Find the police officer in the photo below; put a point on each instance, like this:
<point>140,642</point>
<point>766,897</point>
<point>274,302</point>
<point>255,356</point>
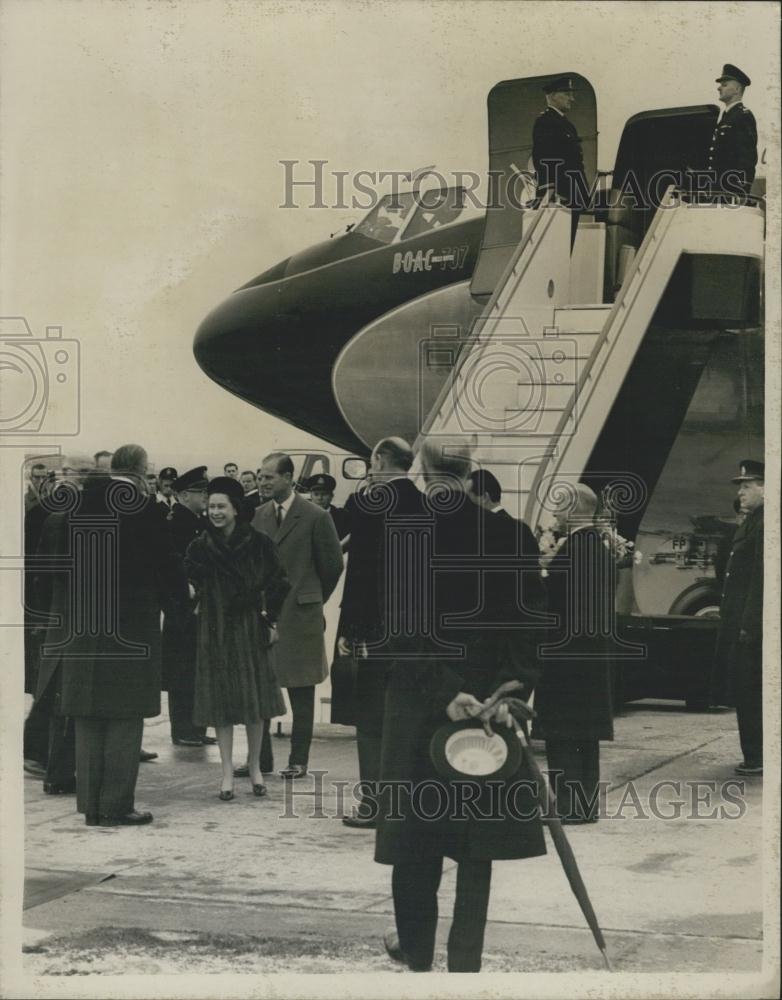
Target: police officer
<point>321,489</point>
<point>556,151</point>
<point>186,521</point>
<point>740,643</point>
<point>734,144</point>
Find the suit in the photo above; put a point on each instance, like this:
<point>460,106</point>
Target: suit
<point>310,553</point>
<point>740,641</point>
<point>106,653</point>
<point>559,162</point>
<point>459,653</point>
<point>734,148</point>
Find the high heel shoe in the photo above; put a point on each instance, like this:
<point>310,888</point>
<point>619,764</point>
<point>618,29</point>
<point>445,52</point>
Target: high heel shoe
<point>259,790</point>
<point>226,796</point>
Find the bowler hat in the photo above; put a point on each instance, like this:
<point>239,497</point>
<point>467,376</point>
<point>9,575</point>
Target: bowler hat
<point>731,72</point>
<point>750,470</point>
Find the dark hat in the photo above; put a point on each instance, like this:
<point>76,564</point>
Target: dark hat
<point>560,84</point>
<point>168,473</point>
<point>194,479</point>
<point>730,72</point>
<point>749,470</point>
<point>232,488</point>
<point>322,482</point>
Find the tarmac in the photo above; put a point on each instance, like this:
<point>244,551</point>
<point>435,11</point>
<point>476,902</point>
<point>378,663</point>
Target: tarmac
<point>281,885</point>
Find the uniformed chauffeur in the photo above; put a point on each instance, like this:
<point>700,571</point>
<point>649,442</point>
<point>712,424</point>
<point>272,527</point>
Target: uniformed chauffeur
<point>186,522</point>
<point>556,151</point>
<point>740,642</point>
<point>321,489</point>
<point>734,143</point>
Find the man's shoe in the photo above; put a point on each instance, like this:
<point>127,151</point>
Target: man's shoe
<point>359,822</point>
<point>242,771</point>
<point>293,771</point>
<point>147,755</point>
<point>53,788</point>
<point>188,741</point>
<point>208,741</point>
<point>394,951</point>
<point>129,819</point>
<point>749,770</point>
<point>34,768</point>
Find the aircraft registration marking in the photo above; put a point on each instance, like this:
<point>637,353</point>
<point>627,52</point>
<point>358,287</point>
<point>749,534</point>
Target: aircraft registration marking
<point>426,260</point>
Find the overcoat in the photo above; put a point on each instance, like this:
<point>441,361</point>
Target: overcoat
<point>179,632</point>
<point>116,572</point>
<point>741,608</point>
<point>312,558</point>
<point>459,655</point>
<point>573,699</point>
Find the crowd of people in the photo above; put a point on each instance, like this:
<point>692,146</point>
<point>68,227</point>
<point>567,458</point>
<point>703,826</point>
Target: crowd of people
<point>445,600</point>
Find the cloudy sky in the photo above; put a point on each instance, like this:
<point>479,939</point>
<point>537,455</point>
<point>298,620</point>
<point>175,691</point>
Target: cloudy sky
<point>141,146</point>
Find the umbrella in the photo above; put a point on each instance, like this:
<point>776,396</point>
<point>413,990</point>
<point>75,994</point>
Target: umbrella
<point>520,710</point>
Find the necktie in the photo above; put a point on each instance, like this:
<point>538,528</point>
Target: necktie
<point>279,514</point>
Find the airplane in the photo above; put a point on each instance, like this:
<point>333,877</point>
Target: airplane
<point>376,331</point>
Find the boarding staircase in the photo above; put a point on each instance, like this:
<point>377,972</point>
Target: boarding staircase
<point>536,381</point>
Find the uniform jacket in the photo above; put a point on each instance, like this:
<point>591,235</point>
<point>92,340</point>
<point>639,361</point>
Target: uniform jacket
<point>115,672</point>
<point>741,608</point>
<point>179,631</point>
<point>558,159</point>
<point>425,677</point>
<point>573,699</point>
<point>734,146</point>
<point>312,558</point>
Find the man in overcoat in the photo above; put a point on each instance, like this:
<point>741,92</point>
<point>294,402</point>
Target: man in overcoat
<point>740,641</point>
<point>105,634</point>
<point>311,555</point>
<point>362,633</point>
<point>443,673</point>
<point>574,699</point>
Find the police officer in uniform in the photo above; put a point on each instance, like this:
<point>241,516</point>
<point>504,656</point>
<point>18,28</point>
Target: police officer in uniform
<point>556,151</point>
<point>165,494</point>
<point>186,522</point>
<point>321,489</point>
<point>740,642</point>
<point>734,143</point>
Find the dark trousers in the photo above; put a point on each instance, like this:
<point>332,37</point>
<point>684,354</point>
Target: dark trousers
<point>180,713</point>
<point>107,759</point>
<point>36,734</point>
<point>370,697</point>
<point>61,764</point>
<point>574,774</point>
<point>748,695</point>
<point>303,708</point>
<point>415,886</point>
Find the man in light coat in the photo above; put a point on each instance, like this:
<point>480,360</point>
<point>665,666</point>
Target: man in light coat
<point>311,554</point>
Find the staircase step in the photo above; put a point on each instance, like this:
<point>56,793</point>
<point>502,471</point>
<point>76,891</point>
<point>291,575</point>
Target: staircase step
<point>581,319</point>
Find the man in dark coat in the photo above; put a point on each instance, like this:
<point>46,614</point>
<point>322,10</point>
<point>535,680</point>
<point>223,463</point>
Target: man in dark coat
<point>115,546</point>
<point>556,152</point>
<point>733,152</point>
<point>740,642</point>
<point>252,498</point>
<point>574,699</point>
<point>362,640</point>
<point>446,669</point>
<point>179,632</point>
